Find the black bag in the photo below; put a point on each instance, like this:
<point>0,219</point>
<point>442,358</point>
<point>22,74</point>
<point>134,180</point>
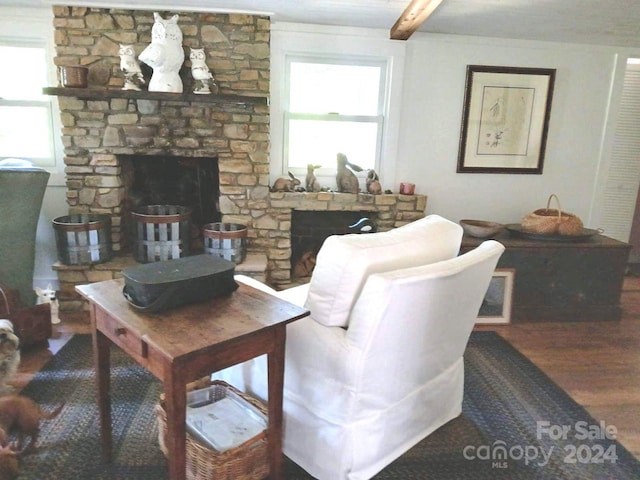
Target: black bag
<point>154,287</point>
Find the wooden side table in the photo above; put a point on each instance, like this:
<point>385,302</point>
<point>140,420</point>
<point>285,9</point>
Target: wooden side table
<point>183,344</point>
<point>563,281</point>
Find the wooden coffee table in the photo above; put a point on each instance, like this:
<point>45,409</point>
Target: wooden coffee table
<point>184,344</point>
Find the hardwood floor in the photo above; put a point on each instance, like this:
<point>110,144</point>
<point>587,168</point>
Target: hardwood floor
<point>596,363</point>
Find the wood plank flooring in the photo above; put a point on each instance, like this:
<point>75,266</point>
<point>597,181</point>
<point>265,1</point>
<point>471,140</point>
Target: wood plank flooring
<point>596,363</point>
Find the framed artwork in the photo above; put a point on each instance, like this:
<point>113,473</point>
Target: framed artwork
<point>496,306</point>
<point>505,119</point>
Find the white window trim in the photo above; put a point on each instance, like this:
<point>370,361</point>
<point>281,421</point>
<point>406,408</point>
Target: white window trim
<point>297,40</point>
<point>34,27</point>
<point>378,119</point>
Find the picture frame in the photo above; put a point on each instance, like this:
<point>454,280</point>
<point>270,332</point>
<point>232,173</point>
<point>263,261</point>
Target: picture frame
<point>497,303</point>
<point>505,119</point>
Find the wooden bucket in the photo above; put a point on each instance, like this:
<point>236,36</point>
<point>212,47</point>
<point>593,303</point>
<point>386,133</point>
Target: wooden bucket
<point>226,240</point>
<point>83,238</point>
<point>162,232</point>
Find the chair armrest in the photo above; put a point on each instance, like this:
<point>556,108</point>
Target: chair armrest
<point>252,282</point>
<point>296,295</point>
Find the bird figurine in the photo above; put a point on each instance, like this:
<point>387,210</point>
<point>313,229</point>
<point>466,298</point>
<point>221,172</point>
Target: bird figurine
<point>373,183</point>
<point>129,65</point>
<point>200,71</point>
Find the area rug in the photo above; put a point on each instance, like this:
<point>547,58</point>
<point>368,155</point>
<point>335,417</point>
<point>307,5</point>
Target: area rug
<point>516,424</point>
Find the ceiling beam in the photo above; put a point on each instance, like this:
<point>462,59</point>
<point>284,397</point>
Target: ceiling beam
<point>412,17</point>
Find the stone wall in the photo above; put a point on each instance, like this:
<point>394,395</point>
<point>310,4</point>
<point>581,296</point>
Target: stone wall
<point>97,130</point>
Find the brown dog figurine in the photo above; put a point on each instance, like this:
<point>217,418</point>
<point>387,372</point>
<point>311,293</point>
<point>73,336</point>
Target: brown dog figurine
<point>21,415</point>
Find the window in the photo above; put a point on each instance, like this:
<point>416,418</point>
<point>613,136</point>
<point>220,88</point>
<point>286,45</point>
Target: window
<point>333,106</point>
<point>26,127</point>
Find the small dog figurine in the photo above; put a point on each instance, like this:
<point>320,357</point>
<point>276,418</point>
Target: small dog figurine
<point>48,295</point>
<point>21,415</point>
<point>9,354</point>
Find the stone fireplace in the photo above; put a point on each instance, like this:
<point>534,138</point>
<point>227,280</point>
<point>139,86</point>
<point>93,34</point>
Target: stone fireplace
<point>107,130</point>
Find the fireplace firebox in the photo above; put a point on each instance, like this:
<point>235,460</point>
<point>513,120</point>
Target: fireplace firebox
<point>309,229</point>
<point>189,182</point>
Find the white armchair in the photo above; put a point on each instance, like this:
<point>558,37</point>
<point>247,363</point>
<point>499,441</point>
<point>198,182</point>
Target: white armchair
<point>378,365</point>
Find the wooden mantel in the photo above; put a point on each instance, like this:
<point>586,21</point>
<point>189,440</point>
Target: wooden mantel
<point>107,93</point>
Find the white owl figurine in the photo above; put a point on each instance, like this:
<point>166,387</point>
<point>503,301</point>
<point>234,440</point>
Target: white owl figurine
<point>133,77</point>
<point>200,71</point>
<point>165,55</point>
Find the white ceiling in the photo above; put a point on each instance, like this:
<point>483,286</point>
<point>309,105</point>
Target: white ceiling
<point>600,22</point>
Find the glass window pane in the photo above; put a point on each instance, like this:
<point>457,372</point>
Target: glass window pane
<point>325,88</point>
<point>318,142</point>
<point>24,132</point>
<point>25,73</point>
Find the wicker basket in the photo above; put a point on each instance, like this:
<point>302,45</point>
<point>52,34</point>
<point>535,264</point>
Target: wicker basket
<point>248,461</point>
<point>551,221</point>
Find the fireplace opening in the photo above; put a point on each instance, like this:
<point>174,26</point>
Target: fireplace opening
<point>191,182</point>
<point>309,229</point>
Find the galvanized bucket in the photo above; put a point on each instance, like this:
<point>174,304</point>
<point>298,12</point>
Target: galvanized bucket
<point>162,232</point>
<point>226,240</point>
<point>83,238</point>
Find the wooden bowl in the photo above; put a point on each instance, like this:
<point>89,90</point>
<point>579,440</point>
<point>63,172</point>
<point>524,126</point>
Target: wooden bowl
<point>481,228</point>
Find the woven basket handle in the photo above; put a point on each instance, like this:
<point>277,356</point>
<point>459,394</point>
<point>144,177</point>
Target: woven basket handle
<point>6,301</point>
<point>553,195</point>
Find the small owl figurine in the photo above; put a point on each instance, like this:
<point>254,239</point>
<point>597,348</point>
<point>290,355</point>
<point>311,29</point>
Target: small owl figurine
<point>133,77</point>
<point>199,71</point>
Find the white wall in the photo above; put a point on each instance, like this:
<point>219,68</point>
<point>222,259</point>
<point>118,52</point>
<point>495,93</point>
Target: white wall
<point>426,133</point>
<point>54,205</point>
<point>432,110</point>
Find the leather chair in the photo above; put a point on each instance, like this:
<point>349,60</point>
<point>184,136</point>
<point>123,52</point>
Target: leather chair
<point>378,365</point>
<point>22,189</point>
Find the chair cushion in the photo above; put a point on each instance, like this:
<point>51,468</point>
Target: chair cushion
<point>345,261</point>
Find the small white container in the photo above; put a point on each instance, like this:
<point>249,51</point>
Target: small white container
<point>222,423</point>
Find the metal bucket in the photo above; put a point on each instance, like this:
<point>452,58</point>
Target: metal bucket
<point>226,240</point>
<point>83,238</point>
<point>162,232</point>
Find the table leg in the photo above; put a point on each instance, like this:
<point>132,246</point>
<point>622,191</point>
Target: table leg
<point>176,403</point>
<point>275,362</point>
<point>101,356</point>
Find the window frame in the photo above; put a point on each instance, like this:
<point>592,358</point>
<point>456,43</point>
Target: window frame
<point>46,103</point>
<point>32,26</point>
<point>313,40</point>
<point>348,60</point>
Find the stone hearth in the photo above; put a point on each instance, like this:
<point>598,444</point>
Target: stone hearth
<point>101,124</point>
